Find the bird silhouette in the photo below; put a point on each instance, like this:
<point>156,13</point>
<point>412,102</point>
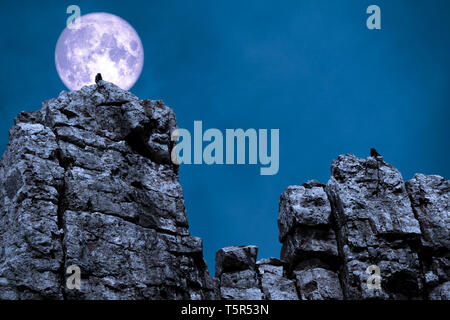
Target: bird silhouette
<point>374,153</point>
<point>98,77</point>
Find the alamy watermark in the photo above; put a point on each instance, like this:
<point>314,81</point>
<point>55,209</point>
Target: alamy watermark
<point>73,22</point>
<point>239,143</point>
<point>374,20</point>
<point>374,280</point>
<point>74,279</point>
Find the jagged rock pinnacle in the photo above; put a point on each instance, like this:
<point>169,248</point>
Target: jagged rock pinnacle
<point>86,180</point>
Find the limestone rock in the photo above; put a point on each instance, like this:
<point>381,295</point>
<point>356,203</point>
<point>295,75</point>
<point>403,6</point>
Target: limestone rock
<point>441,292</point>
<point>310,246</point>
<point>376,226</point>
<point>240,278</point>
<point>270,265</point>
<point>430,197</point>
<point>274,284</point>
<point>303,205</point>
<point>87,181</point>
<point>335,236</point>
<point>318,284</point>
<point>240,285</point>
<point>235,258</point>
<point>235,269</point>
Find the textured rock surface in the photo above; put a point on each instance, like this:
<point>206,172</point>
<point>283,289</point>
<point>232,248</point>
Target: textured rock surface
<point>365,218</point>
<point>430,197</point>
<point>87,181</point>
<point>235,269</point>
<point>318,284</point>
<point>241,277</point>
<point>274,283</point>
<point>235,259</point>
<point>309,241</point>
<point>376,226</point>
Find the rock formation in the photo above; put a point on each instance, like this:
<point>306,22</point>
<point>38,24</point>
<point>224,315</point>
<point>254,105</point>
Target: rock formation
<point>375,226</point>
<point>309,241</point>
<point>365,218</point>
<point>364,235</point>
<point>430,199</point>
<point>240,276</point>
<point>87,181</point>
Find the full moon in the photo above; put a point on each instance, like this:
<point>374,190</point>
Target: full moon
<point>103,43</point>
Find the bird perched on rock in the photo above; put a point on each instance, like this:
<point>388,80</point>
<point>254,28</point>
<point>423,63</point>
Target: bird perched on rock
<point>98,77</point>
<point>374,153</point>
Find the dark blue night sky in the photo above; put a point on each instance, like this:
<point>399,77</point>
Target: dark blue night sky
<point>310,68</point>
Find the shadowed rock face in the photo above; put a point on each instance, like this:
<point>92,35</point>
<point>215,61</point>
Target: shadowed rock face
<point>241,277</point>
<point>87,181</point>
<point>365,217</point>
<point>235,269</point>
<point>430,197</point>
<point>310,247</point>
<point>375,226</point>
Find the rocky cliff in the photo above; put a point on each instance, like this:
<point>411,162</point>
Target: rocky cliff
<point>366,222</point>
<point>366,234</point>
<point>87,181</point>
